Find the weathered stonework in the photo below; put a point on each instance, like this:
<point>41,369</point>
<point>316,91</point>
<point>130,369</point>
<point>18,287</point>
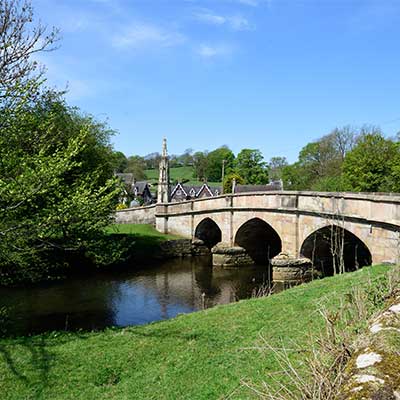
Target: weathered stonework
<point>226,256</point>
<point>182,248</point>
<point>137,215</point>
<point>373,218</point>
<point>374,370</point>
<point>291,270</point>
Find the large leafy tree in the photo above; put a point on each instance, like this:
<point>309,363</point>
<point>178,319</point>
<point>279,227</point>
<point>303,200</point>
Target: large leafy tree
<point>136,166</point>
<point>215,161</point>
<point>200,165</point>
<point>319,165</point>
<point>250,165</point>
<point>57,192</point>
<point>276,166</point>
<point>56,188</point>
<point>372,164</point>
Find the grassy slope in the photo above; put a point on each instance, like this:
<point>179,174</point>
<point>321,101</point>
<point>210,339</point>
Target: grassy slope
<point>178,174</point>
<point>202,355</point>
<point>145,237</point>
<point>139,230</point>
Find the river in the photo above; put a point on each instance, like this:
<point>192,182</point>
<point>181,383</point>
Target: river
<point>127,298</point>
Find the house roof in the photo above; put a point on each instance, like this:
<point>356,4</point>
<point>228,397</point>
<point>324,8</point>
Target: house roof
<point>141,186</point>
<point>258,188</point>
<point>197,189</point>
<point>179,186</point>
<point>127,178</point>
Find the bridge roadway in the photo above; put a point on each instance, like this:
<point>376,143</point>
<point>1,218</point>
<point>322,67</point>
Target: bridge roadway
<point>289,219</point>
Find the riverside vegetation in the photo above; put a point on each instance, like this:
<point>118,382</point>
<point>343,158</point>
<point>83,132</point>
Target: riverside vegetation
<point>216,353</point>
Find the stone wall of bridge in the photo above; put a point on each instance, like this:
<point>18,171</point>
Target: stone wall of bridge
<point>137,215</point>
<point>374,219</point>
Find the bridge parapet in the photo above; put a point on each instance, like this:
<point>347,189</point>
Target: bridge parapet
<point>374,218</point>
<point>377,207</point>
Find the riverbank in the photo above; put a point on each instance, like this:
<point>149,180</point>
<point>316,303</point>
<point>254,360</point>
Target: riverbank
<point>204,355</point>
<point>149,245</point>
<point>128,245</point>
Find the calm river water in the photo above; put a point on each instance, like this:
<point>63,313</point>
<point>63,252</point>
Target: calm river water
<point>128,298</point>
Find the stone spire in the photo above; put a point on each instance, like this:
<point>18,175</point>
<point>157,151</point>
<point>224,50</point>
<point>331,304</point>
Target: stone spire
<point>163,180</point>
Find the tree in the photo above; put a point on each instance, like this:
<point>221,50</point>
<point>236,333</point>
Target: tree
<point>152,160</point>
<point>186,159</point>
<point>57,192</point>
<point>228,181</point>
<point>294,178</point>
<point>136,166</point>
<point>250,166</point>
<point>21,38</point>
<point>120,162</point>
<point>367,167</point>
<point>200,165</point>
<point>214,163</point>
<point>276,165</point>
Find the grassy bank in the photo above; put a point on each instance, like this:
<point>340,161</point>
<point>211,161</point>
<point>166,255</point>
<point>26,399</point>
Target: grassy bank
<point>145,239</point>
<point>204,355</point>
<point>139,231</point>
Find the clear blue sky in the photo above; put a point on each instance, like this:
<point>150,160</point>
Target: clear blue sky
<point>266,74</point>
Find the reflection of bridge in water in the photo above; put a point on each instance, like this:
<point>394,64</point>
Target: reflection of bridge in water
<point>311,224</point>
<point>202,286</point>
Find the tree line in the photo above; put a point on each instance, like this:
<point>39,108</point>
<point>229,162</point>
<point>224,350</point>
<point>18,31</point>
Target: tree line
<point>359,159</point>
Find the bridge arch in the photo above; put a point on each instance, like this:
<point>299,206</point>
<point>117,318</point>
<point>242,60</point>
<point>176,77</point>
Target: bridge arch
<point>209,232</point>
<point>333,249</point>
<point>260,239</point>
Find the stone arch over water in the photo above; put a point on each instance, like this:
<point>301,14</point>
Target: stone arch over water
<point>260,240</point>
<point>335,249</point>
<point>209,232</point>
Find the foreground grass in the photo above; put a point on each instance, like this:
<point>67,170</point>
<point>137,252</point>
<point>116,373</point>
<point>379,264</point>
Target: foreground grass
<point>204,355</point>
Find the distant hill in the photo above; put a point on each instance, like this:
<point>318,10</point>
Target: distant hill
<point>180,174</point>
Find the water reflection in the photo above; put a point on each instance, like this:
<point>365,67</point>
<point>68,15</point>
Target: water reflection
<point>128,298</point>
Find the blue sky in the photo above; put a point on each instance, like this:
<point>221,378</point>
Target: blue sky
<point>266,74</point>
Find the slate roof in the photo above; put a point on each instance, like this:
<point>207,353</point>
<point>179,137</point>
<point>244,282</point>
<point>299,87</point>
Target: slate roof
<point>188,188</point>
<point>258,188</point>
<point>140,186</point>
<point>127,178</point>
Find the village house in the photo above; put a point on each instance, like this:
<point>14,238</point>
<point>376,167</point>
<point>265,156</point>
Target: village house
<point>135,192</point>
<point>189,192</point>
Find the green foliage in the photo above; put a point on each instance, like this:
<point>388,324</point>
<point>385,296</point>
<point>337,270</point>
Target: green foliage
<point>136,166</point>
<point>276,165</point>
<point>228,181</point>
<point>56,186</point>
<point>119,161</point>
<point>250,166</point>
<point>214,163</point>
<point>372,164</point>
<point>200,165</point>
<point>330,184</point>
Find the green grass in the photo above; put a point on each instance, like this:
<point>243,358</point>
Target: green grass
<point>139,230</point>
<point>203,355</point>
<point>146,239</point>
<point>178,174</point>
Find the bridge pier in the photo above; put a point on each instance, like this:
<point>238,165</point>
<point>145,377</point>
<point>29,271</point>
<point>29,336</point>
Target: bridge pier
<point>224,255</point>
<point>289,270</point>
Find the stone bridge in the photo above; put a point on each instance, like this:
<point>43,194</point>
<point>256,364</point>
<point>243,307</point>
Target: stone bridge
<point>310,224</point>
